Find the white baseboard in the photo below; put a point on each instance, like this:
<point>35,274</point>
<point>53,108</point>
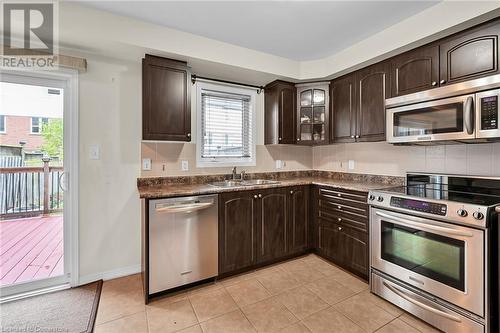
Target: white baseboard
<point>109,275</point>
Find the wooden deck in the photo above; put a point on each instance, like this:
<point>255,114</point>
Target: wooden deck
<point>31,249</point>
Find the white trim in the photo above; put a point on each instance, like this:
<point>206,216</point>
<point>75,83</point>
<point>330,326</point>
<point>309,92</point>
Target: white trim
<point>112,274</point>
<point>36,292</point>
<point>227,162</point>
<point>65,79</point>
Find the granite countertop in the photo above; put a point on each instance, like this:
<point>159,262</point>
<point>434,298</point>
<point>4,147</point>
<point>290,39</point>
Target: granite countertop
<point>159,190</point>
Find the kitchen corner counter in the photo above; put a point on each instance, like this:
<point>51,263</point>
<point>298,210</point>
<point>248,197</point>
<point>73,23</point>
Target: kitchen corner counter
<point>155,188</point>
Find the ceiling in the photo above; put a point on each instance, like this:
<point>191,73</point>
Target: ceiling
<point>297,30</point>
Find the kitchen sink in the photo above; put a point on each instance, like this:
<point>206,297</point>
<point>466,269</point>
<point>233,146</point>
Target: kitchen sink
<point>252,182</point>
<point>228,183</point>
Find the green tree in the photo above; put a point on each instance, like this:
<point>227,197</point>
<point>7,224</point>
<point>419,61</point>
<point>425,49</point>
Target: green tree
<point>53,135</point>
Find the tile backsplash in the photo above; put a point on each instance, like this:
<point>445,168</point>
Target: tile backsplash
<point>385,159</point>
<point>378,158</point>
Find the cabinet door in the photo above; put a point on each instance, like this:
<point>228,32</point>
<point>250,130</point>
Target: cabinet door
<point>330,239</point>
<point>373,87</point>
<point>286,114</point>
<point>415,70</point>
<point>355,248</point>
<point>313,104</point>
<point>470,54</point>
<point>298,218</point>
<point>236,231</point>
<point>166,110</point>
<point>271,227</point>
<point>343,92</point>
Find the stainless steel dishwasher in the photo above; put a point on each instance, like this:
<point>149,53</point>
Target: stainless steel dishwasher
<point>183,241</point>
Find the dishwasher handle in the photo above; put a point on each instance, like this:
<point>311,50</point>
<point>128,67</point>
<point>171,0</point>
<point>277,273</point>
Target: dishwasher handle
<point>182,208</point>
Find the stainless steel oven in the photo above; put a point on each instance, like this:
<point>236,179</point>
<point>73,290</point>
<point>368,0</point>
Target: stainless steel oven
<point>443,259</point>
<point>467,111</point>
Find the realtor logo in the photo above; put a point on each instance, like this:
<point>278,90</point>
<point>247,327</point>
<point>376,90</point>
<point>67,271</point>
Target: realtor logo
<point>29,34</point>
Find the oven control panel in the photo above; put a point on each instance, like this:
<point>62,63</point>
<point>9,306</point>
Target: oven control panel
<point>489,112</point>
<point>419,206</point>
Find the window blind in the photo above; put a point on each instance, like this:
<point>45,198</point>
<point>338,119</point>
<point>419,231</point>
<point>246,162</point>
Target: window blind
<point>226,122</point>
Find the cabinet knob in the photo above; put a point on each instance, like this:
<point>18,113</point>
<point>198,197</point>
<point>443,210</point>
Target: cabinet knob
<point>352,136</point>
<point>339,219</point>
<point>279,139</point>
<point>442,81</point>
<point>298,139</point>
<point>434,83</point>
<point>340,228</point>
<point>357,136</point>
<point>291,192</point>
<point>255,196</point>
<point>260,195</point>
<point>339,195</point>
<point>188,135</point>
<point>339,207</point>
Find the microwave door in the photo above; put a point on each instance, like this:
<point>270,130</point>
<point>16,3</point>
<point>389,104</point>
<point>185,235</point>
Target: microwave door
<point>487,114</point>
<point>441,120</point>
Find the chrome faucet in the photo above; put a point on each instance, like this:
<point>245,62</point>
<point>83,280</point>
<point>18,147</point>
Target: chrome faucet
<point>234,173</point>
<point>242,175</point>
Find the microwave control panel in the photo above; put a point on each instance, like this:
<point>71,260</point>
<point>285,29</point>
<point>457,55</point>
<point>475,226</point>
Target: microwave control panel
<point>489,112</point>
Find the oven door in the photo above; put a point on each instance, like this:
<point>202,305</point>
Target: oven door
<point>444,119</point>
<point>442,259</point>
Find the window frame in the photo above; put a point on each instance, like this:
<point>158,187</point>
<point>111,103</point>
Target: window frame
<point>4,131</point>
<point>40,124</point>
<point>225,162</point>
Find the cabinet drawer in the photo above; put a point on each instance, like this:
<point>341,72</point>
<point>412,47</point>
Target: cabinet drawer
<point>334,207</point>
<point>350,220</point>
<point>343,195</point>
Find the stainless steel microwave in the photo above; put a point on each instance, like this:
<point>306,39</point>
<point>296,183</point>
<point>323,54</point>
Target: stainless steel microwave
<point>463,112</point>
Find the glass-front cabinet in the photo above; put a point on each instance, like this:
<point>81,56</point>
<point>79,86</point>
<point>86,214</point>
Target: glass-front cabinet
<point>312,113</point>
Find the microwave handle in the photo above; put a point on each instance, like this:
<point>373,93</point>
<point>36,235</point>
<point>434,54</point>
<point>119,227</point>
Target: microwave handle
<point>469,115</point>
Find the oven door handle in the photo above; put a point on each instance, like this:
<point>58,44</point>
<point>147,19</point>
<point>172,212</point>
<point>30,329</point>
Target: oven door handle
<point>408,222</point>
<point>429,308</point>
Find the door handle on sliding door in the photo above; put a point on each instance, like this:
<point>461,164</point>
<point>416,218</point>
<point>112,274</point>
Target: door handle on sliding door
<point>469,115</point>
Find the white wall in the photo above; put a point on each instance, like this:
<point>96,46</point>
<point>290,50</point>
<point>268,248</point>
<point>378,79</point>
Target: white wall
<point>110,116</point>
<point>385,159</point>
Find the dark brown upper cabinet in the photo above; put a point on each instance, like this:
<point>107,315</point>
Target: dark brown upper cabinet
<point>343,95</point>
<point>470,54</point>
<point>279,112</point>
<point>416,70</point>
<point>166,106</point>
<point>372,88</point>
<point>313,104</point>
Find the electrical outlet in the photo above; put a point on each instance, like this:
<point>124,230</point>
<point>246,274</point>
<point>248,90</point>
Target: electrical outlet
<point>146,164</point>
<point>94,153</point>
<point>279,164</point>
<point>351,165</point>
<point>184,165</point>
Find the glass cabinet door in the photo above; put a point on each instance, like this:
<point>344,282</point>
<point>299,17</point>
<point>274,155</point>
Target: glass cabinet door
<point>313,115</point>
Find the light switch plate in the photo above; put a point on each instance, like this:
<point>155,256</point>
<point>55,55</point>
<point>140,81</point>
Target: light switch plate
<point>146,164</point>
<point>94,153</point>
<point>279,164</point>
<point>185,165</point>
<point>351,165</point>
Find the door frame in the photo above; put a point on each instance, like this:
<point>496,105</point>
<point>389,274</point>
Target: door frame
<point>67,79</point>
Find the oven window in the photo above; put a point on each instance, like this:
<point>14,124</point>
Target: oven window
<point>434,256</point>
<point>439,119</point>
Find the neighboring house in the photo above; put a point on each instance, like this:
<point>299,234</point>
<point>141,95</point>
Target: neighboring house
<point>22,130</point>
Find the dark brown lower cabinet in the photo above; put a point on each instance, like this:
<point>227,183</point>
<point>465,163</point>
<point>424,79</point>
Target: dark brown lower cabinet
<point>237,224</point>
<point>258,227</point>
<point>342,228</point>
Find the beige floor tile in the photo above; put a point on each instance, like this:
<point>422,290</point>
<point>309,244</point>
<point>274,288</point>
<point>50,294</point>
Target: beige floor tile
<point>331,321</point>
<point>171,298</point>
<point>364,313</point>
<point>329,290</point>
<point>192,329</point>
<point>232,280</point>
<point>213,304</point>
<point>269,315</point>
<point>301,271</point>
<point>350,281</point>
<point>296,328</point>
<point>165,316</point>
<point>248,292</point>
<point>278,281</point>
<point>120,297</point>
<point>231,322</point>
<point>389,307</point>
<point>322,265</point>
<point>418,324</point>
<point>302,302</point>
<point>397,326</point>
<point>268,270</point>
<point>135,323</point>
